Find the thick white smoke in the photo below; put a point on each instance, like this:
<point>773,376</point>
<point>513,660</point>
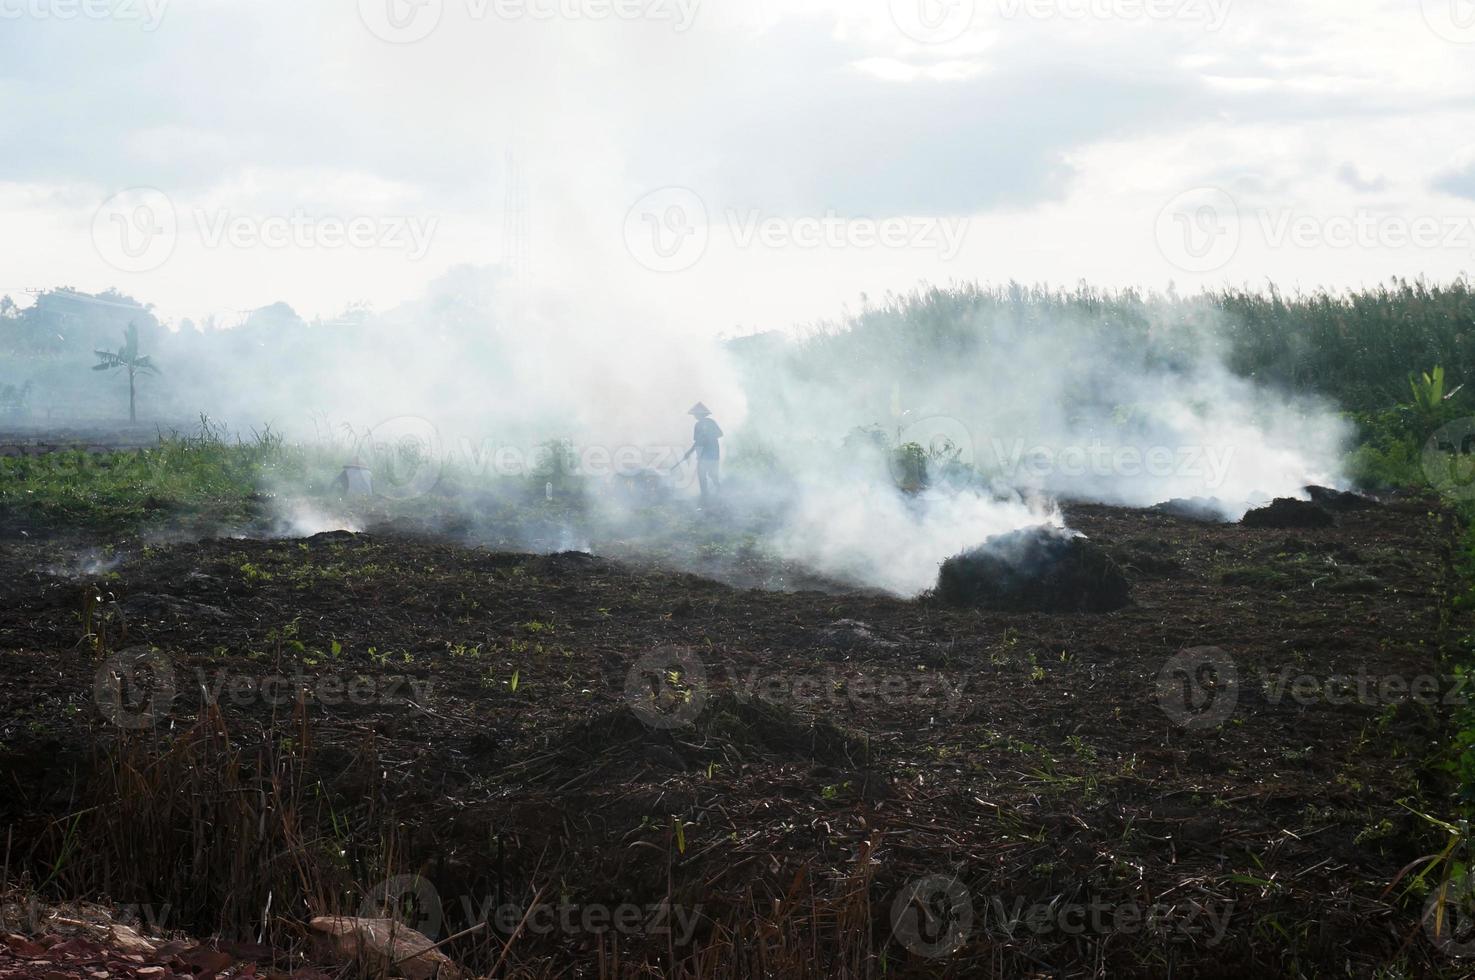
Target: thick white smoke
<point>1042,405</point>
<point>873,450</point>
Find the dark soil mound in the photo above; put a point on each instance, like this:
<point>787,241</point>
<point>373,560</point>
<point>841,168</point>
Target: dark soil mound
<point>1037,569</point>
<point>720,726</point>
<point>1147,557</point>
<point>1340,499</point>
<point>1209,510</point>
<point>1286,512</point>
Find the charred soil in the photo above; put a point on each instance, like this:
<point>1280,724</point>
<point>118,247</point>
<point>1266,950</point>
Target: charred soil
<point>511,725</point>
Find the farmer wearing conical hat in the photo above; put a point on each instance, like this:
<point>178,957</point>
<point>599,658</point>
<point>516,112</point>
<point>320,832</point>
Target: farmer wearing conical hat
<point>704,442</point>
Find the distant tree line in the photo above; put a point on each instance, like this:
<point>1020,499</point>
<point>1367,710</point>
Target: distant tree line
<point>1358,349</point>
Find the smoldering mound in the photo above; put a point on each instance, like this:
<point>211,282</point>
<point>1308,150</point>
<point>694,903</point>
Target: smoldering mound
<point>1205,510</point>
<point>1289,512</point>
<point>1035,569</point>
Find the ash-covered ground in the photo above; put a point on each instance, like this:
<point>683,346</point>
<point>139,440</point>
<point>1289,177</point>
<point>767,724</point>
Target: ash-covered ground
<point>1237,753</point>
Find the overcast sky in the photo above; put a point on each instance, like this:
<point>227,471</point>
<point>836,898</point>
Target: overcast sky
<point>728,164</point>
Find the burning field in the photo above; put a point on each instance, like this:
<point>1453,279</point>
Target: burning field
<point>566,764</point>
<point>643,489</point>
<point>1128,662</point>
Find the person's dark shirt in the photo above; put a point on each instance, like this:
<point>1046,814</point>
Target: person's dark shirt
<point>705,436</point>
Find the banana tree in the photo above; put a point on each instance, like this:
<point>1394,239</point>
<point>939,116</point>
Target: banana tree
<point>128,358</point>
<point>1428,389</point>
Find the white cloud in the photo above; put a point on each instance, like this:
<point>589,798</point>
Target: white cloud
<point>1061,137</point>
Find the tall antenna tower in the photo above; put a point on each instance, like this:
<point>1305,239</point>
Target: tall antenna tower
<point>516,248</point>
